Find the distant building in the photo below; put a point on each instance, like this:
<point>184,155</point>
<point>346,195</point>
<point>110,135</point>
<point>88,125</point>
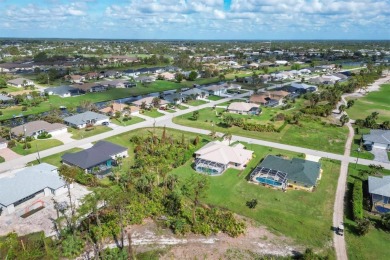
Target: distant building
<point>36,128</point>
<point>87,118</point>
<point>377,139</point>
<point>20,82</point>
<point>244,108</point>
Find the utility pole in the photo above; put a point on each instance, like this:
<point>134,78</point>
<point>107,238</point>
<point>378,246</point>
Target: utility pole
<point>357,159</point>
<point>25,139</point>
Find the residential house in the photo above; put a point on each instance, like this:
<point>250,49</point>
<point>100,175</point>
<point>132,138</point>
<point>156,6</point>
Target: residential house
<point>122,59</point>
<point>149,102</point>
<point>215,157</point>
<point>119,107</point>
<point>75,78</point>
<point>92,76</point>
<point>277,172</point>
<point>377,138</point>
<point>36,128</point>
<point>217,90</point>
<point>112,74</point>
<point>62,91</point>
<point>269,98</point>
<point>174,98</point>
<point>6,99</point>
<point>91,87</point>
<point>20,82</point>
<point>194,93</point>
<point>167,75</point>
<point>22,189</point>
<point>98,159</point>
<point>379,189</point>
<point>301,88</point>
<point>115,83</point>
<point>87,118</point>
<point>244,108</point>
<point>145,79</point>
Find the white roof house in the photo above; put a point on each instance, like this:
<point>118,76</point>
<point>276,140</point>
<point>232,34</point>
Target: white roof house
<point>243,107</point>
<point>215,157</point>
<point>26,184</point>
<point>149,102</point>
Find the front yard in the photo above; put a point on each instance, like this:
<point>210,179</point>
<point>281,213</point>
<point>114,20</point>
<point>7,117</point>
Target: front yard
<point>152,113</point>
<point>36,146</point>
<point>87,132</point>
<point>196,102</point>
<point>357,143</point>
<point>129,121</point>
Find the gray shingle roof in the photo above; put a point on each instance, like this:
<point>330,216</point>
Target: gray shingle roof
<point>378,136</point>
<point>35,126</point>
<point>299,170</point>
<point>5,98</point>
<point>100,153</point>
<point>28,181</point>
<point>81,119</point>
<point>379,186</point>
<point>61,90</point>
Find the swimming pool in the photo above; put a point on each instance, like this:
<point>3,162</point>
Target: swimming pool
<point>268,181</point>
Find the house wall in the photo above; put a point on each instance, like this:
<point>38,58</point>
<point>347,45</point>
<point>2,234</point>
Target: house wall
<point>123,154</point>
<point>380,146</point>
<point>61,190</point>
<point>298,186</point>
<point>59,131</point>
<point>3,145</point>
<point>100,122</point>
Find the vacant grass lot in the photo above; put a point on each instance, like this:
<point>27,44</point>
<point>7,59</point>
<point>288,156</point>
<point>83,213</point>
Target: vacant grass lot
<point>310,134</point>
<point>131,121</point>
<point>377,101</point>
<point>375,244</point>
<point>297,214</point>
<point>152,113</point>
<point>196,102</point>
<point>83,133</point>
<point>36,145</point>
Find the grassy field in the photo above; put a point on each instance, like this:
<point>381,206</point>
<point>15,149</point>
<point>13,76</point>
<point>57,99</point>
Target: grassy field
<point>152,113</point>
<point>196,102</point>
<point>356,144</point>
<point>310,134</point>
<point>214,98</point>
<point>181,107</point>
<point>82,133</point>
<point>36,145</point>
<point>375,244</point>
<point>132,120</point>
<point>296,214</point>
<point>377,101</point>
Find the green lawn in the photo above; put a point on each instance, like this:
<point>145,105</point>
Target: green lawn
<point>181,107</point>
<point>356,144</point>
<point>377,101</point>
<point>152,113</point>
<point>83,133</point>
<point>375,244</point>
<point>214,98</point>
<point>55,159</point>
<point>36,145</point>
<point>296,214</point>
<point>196,102</point>
<point>10,89</point>
<point>309,134</point>
<point>2,159</point>
<point>170,111</point>
<point>132,120</point>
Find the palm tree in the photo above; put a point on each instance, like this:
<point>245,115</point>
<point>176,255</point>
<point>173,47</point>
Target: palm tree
<point>228,136</point>
<point>344,119</point>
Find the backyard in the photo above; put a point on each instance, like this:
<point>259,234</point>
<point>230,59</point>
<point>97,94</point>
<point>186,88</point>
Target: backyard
<point>376,101</point>
<point>87,132</point>
<point>309,133</point>
<point>36,146</point>
<point>296,214</point>
<point>375,244</point>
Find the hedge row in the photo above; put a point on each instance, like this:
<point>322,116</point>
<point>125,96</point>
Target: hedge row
<point>357,200</point>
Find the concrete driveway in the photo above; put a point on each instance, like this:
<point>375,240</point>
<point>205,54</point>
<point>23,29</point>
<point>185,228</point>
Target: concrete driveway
<point>380,155</point>
<point>8,154</point>
<point>65,138</point>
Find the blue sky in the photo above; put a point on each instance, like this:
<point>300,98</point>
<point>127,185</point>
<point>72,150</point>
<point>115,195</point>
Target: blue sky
<point>196,19</point>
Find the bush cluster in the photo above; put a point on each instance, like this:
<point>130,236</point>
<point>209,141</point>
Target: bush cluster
<point>357,200</point>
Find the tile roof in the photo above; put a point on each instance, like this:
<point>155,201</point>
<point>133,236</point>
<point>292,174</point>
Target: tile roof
<point>297,169</point>
<point>221,153</point>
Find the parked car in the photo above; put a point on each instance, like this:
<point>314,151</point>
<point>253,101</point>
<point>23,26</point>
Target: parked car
<point>340,229</point>
<point>105,123</point>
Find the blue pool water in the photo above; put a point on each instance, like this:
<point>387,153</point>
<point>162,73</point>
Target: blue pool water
<point>268,181</point>
<point>382,209</point>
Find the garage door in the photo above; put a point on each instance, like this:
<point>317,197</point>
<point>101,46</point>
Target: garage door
<point>380,146</point>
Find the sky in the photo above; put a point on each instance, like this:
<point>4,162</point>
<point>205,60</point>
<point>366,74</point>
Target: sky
<point>196,19</point>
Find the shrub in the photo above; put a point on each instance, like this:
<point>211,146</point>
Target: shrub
<point>29,138</point>
<point>357,200</point>
<point>251,203</point>
<point>11,143</point>
<point>44,135</point>
<point>363,226</point>
<point>26,146</point>
<point>385,219</point>
<point>24,108</point>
